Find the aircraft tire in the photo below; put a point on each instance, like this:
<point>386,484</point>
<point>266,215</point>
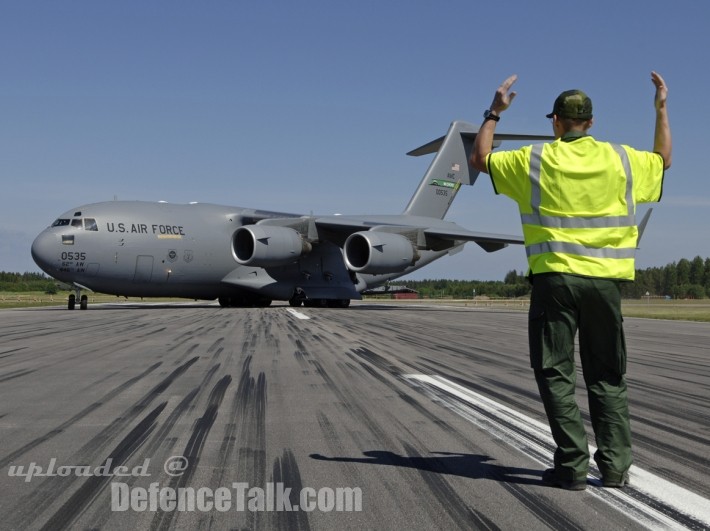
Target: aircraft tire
<point>338,303</point>
<point>72,302</point>
<point>84,302</point>
<point>315,303</point>
<point>224,302</point>
<point>263,303</point>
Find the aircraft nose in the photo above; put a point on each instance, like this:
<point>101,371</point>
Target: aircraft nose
<point>43,250</point>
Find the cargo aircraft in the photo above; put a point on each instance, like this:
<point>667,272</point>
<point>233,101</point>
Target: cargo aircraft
<point>247,257</point>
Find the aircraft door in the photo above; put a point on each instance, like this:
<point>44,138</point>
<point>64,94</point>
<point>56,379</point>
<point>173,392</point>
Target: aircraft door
<point>144,269</point>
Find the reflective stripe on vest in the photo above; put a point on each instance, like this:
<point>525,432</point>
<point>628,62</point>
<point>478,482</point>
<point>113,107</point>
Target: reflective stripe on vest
<point>560,222</point>
<point>581,250</point>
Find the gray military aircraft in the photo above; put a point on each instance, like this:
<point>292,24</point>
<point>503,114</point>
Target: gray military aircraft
<point>247,257</point>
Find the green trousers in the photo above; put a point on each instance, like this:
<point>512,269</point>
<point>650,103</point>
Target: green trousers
<point>562,305</point>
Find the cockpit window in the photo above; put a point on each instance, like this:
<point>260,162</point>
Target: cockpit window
<point>77,223</point>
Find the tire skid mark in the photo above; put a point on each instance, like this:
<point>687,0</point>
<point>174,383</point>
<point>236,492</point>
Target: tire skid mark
<point>8,353</point>
<point>108,376</point>
<point>161,437</point>
<point>152,332</point>
<point>335,447</point>
<point>226,451</point>
<point>202,427</point>
<point>642,508</point>
<point>458,510</point>
<point>217,353</point>
<point>84,412</point>
<point>679,455</point>
<point>670,396</point>
<point>189,351</point>
<point>93,486</point>
<point>351,403</point>
<point>377,361</point>
<point>45,494</point>
<point>662,426</point>
<point>216,344</point>
<point>540,508</point>
<point>194,447</point>
<point>251,398</point>
<point>16,374</point>
<point>543,510</point>
<point>461,514</point>
<point>285,471</point>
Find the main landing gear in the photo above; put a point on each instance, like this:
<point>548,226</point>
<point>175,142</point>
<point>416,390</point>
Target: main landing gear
<point>319,303</point>
<point>244,301</point>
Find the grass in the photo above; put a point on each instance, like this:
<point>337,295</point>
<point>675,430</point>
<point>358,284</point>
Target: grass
<point>684,310</point>
<point>35,299</point>
<point>681,310</point>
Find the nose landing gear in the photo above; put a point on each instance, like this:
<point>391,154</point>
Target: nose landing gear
<point>83,300</point>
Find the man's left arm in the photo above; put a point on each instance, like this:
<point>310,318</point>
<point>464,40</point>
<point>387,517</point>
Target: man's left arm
<point>662,142</point>
<point>483,144</point>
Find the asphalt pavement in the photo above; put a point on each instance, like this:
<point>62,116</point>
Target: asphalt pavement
<point>192,416</point>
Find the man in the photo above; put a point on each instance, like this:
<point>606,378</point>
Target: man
<point>577,199</point>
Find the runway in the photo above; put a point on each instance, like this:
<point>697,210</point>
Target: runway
<point>374,417</point>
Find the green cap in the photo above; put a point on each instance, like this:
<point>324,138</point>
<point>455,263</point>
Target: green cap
<point>572,104</point>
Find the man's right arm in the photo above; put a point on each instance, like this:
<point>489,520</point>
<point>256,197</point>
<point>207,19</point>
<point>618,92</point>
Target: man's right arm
<point>483,143</point>
<point>662,142</point>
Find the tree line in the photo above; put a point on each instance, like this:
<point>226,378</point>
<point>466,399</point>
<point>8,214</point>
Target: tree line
<point>685,279</point>
<point>22,282</point>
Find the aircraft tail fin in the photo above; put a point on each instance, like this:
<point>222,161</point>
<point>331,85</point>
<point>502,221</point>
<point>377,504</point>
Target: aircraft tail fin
<point>450,168</point>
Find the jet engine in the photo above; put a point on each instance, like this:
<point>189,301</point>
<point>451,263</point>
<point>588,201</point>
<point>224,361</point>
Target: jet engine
<point>379,252</point>
<point>267,246</point>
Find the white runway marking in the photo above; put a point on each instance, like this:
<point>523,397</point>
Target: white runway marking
<point>297,314</point>
<point>650,500</point>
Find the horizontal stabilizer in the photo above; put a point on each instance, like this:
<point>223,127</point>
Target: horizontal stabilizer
<point>435,145</point>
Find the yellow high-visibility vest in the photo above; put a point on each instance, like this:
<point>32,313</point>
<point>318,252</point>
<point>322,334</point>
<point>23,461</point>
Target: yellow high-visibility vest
<point>577,203</point>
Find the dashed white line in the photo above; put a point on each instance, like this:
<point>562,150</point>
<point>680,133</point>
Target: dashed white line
<point>651,500</point>
<point>297,314</point>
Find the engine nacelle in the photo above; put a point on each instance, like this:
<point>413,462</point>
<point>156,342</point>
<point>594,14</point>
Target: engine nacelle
<point>267,246</point>
<point>379,252</point>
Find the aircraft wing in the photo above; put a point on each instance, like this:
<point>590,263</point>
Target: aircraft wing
<point>488,241</point>
<point>427,232</point>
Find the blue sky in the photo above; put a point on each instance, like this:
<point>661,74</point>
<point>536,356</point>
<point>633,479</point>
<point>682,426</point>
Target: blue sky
<point>311,106</point>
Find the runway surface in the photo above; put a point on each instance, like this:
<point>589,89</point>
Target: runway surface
<point>422,417</point>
